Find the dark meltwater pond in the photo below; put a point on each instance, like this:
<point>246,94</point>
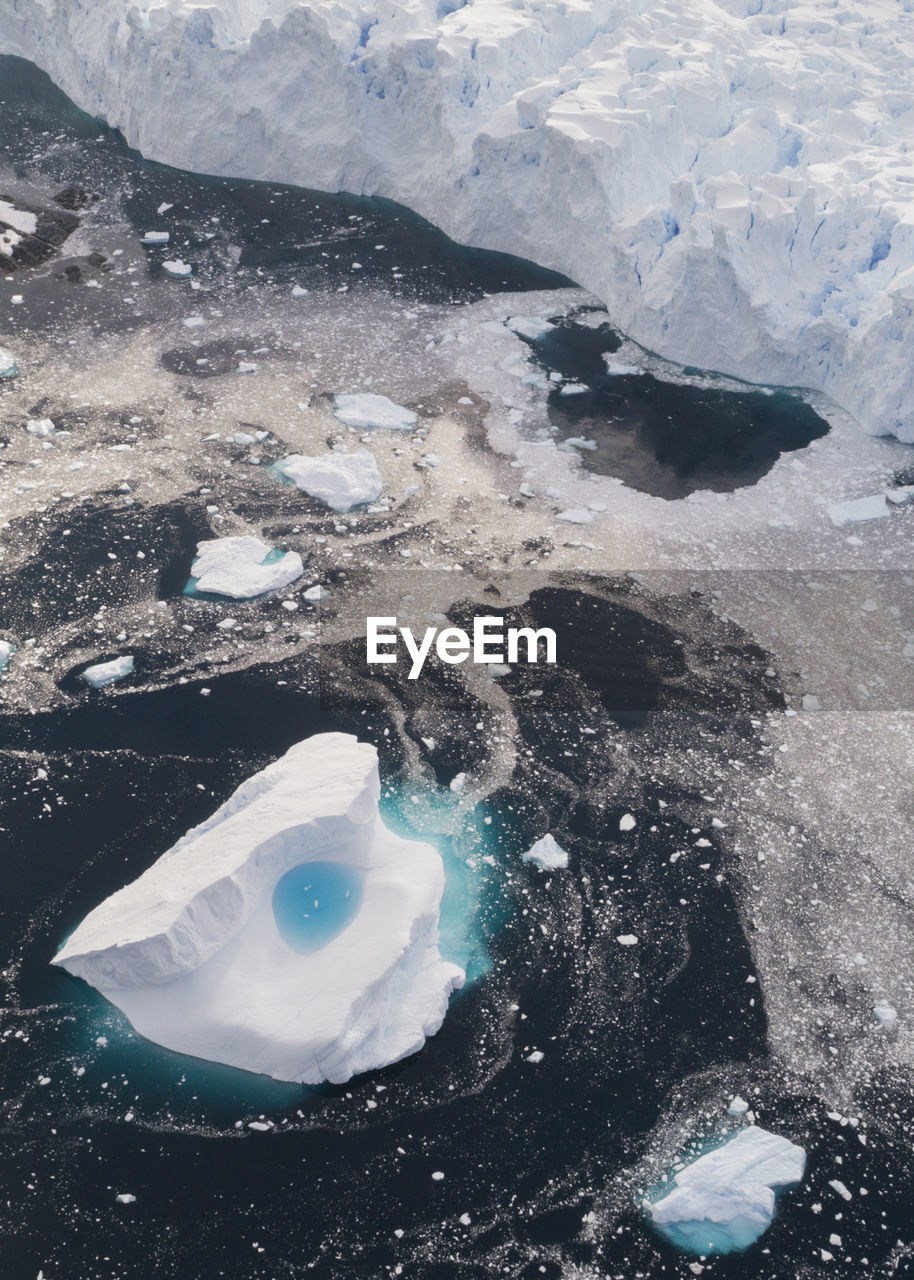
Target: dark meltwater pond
<point>667,438</point>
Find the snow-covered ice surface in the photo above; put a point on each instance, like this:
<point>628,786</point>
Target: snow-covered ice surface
<point>192,953</point>
<point>546,854</point>
<point>365,411</point>
<point>101,674</point>
<point>733,179</point>
<point>723,1201</point>
<point>341,480</point>
<point>242,567</point>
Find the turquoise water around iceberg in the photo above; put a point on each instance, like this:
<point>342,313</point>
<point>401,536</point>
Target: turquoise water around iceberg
<point>314,902</point>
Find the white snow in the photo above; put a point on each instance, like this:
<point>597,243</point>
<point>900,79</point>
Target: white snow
<point>857,510</point>
<point>733,178</point>
<point>103,673</point>
<point>192,954</point>
<point>725,1199</point>
<point>342,480</point>
<point>885,1013</point>
<point>365,411</point>
<point>236,567</point>
<point>547,855</point>
<point>177,269</point>
<point>19,219</point>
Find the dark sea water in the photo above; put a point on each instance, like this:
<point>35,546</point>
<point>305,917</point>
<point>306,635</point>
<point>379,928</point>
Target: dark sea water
<point>544,1162</point>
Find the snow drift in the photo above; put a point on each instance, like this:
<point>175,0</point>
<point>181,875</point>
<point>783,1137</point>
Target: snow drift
<point>733,178</point>
<point>198,957</point>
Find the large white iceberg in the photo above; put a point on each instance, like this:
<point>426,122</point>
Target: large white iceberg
<point>723,1201</point>
<point>291,934</point>
<point>104,673</point>
<point>734,178</point>
<point>342,480</point>
<point>242,567</point>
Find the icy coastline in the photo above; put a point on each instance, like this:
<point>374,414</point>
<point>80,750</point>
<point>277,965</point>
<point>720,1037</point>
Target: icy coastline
<point>733,179</point>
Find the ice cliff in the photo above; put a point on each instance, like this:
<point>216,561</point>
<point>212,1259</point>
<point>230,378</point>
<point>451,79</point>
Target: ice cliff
<point>733,178</point>
<point>200,952</point>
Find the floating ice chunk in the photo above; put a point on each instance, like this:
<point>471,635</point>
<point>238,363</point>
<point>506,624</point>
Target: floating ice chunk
<point>8,365</point>
<point>547,855</point>
<point>723,1201</point>
<point>164,207</point>
<point>298,291</point>
<point>576,389</point>
<point>525,327</point>
<point>575,515</point>
<point>627,822</point>
<point>458,782</point>
<point>840,1189</point>
<point>104,673</point>
<point>6,652</point>
<point>177,269</point>
<point>242,567</point>
<point>342,480</point>
<point>41,427</point>
<point>619,368</point>
<point>193,322</point>
<point>19,219</point>
<point>577,442</point>
<point>811,702</point>
<point>155,237</point>
<point>627,940</point>
<point>125,1198</point>
<point>738,1106</point>
<point>885,1013</point>
<point>246,366</point>
<point>857,510</point>
<point>536,1056</point>
<point>365,411</point>
<point>315,594</point>
<point>202,956</point>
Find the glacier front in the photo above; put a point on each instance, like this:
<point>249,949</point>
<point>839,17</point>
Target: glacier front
<point>733,178</point>
<point>291,934</point>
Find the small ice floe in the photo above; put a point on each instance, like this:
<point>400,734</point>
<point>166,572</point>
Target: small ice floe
<point>8,366</point>
<point>529,328</point>
<point>164,207</point>
<point>547,855</point>
<point>619,368</point>
<point>177,269</point>
<point>365,411</point>
<point>246,366</point>
<point>104,673</point>
<point>886,1014</point>
<point>243,567</point>
<point>738,1106</point>
<point>575,515</point>
<point>261,1126</point>
<point>723,1201</point>
<point>6,652</point>
<point>155,237</point>
<point>627,939</point>
<point>125,1198</point>
<point>298,291</point>
<point>341,480</point>
<point>575,389</point>
<point>193,322</point>
<point>857,510</point>
<point>457,783</point>
<point>315,594</point>
<point>41,427</point>
<point>627,822</point>
<point>810,702</point>
<point>900,495</point>
<point>536,1056</point>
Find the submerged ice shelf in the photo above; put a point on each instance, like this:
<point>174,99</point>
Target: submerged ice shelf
<point>733,179</point>
<point>291,934</point>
